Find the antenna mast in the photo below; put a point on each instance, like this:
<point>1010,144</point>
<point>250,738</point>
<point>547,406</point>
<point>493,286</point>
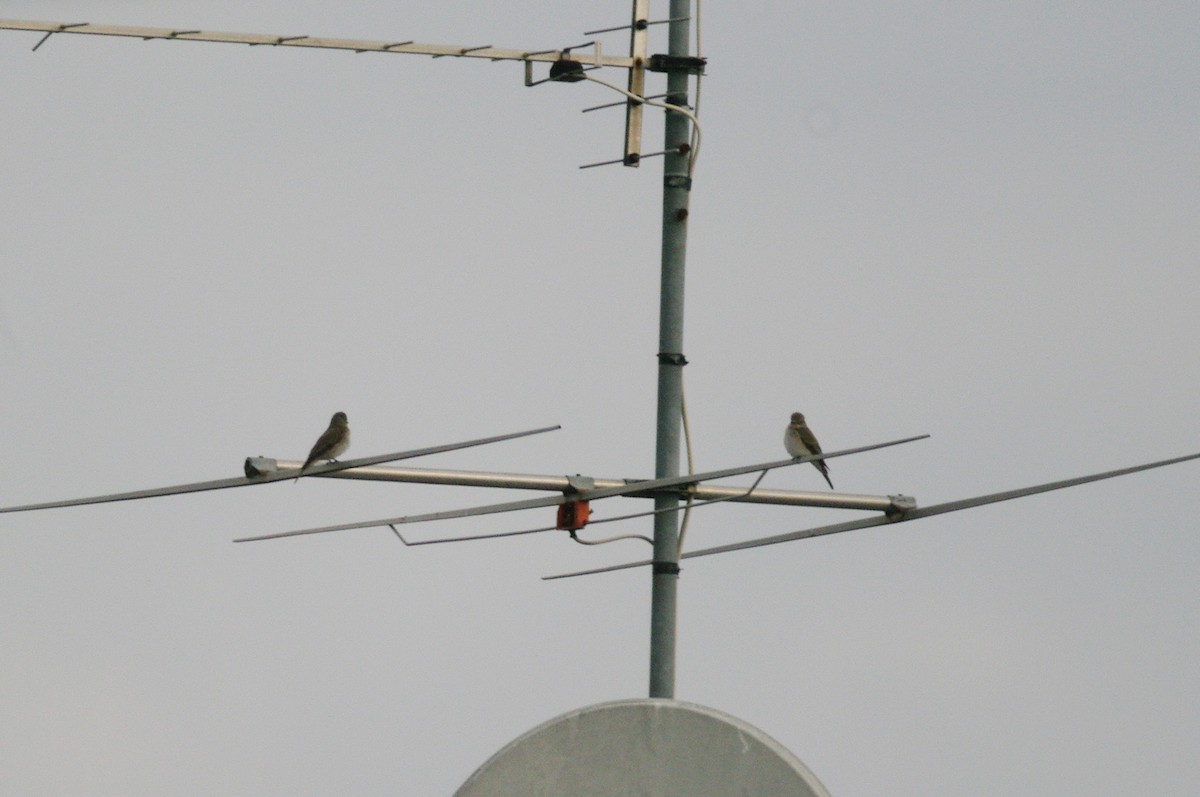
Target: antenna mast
<point>677,185</point>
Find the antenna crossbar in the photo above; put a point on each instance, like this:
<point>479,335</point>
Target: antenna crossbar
<point>660,486</point>
<point>552,483</point>
<point>311,42</point>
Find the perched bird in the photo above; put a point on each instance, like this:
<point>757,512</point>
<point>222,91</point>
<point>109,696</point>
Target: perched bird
<point>801,442</point>
<point>330,445</point>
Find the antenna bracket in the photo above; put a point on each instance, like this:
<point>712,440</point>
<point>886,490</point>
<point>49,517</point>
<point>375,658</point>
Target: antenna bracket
<point>692,64</point>
<point>566,70</point>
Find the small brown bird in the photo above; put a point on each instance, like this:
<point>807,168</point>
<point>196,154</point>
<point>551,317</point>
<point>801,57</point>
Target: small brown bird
<point>330,445</point>
<point>801,442</point>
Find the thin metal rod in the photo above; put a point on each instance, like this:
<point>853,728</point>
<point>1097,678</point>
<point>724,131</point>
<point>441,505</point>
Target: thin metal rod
<point>255,477</point>
<point>620,103</point>
<point>312,42</point>
<point>620,160</point>
<point>396,531</point>
<point>644,23</point>
<point>913,514</point>
<point>608,30</point>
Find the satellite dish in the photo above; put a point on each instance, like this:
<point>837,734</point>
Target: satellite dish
<point>647,747</point>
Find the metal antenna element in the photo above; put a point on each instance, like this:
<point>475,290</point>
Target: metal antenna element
<point>254,477</point>
<point>631,158</point>
<point>911,514</point>
<point>619,104</point>
<point>60,29</point>
<point>733,497</point>
<point>640,24</point>
<point>661,488</point>
<point>623,161</point>
<point>411,543</point>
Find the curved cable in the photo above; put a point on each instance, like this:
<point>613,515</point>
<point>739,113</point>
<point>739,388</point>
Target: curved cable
<point>696,103</point>
<point>694,147</point>
<point>612,539</point>
<point>687,431</point>
<point>687,439</point>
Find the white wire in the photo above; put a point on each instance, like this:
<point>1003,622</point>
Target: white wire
<point>687,439</point>
<point>607,540</point>
<point>696,103</point>
<point>694,148</point>
<point>687,430</point>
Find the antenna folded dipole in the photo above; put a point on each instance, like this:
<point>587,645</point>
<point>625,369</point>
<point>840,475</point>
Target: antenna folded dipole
<point>911,514</point>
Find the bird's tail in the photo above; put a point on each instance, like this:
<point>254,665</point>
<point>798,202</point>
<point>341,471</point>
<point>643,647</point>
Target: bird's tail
<point>821,466</point>
<point>304,467</point>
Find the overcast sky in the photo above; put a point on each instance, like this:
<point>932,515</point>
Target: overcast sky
<point>977,221</point>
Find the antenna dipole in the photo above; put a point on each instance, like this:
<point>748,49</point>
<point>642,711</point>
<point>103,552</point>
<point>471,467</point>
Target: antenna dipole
<point>638,35</point>
<point>677,185</point>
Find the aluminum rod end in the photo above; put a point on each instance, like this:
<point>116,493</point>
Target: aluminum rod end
<point>901,505</point>
<point>255,467</point>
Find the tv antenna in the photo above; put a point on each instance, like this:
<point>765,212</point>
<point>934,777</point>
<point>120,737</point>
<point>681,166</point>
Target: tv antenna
<point>567,64</point>
<point>668,488</point>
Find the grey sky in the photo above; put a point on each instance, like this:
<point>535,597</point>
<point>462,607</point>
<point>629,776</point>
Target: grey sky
<point>976,221</point>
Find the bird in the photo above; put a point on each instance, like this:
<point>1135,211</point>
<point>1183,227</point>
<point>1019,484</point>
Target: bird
<point>330,445</point>
<point>801,442</point>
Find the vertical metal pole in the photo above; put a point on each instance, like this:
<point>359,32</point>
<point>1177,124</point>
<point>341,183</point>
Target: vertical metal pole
<point>676,188</point>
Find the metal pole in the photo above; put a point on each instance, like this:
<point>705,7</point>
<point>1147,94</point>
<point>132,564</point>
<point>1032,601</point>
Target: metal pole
<point>676,188</point>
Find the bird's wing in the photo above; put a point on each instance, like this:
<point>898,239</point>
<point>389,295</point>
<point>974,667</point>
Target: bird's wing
<point>810,440</point>
<point>324,443</point>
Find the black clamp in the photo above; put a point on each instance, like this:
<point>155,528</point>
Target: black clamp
<point>666,568</point>
<point>691,64</point>
<point>671,358</point>
<point>566,70</point>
